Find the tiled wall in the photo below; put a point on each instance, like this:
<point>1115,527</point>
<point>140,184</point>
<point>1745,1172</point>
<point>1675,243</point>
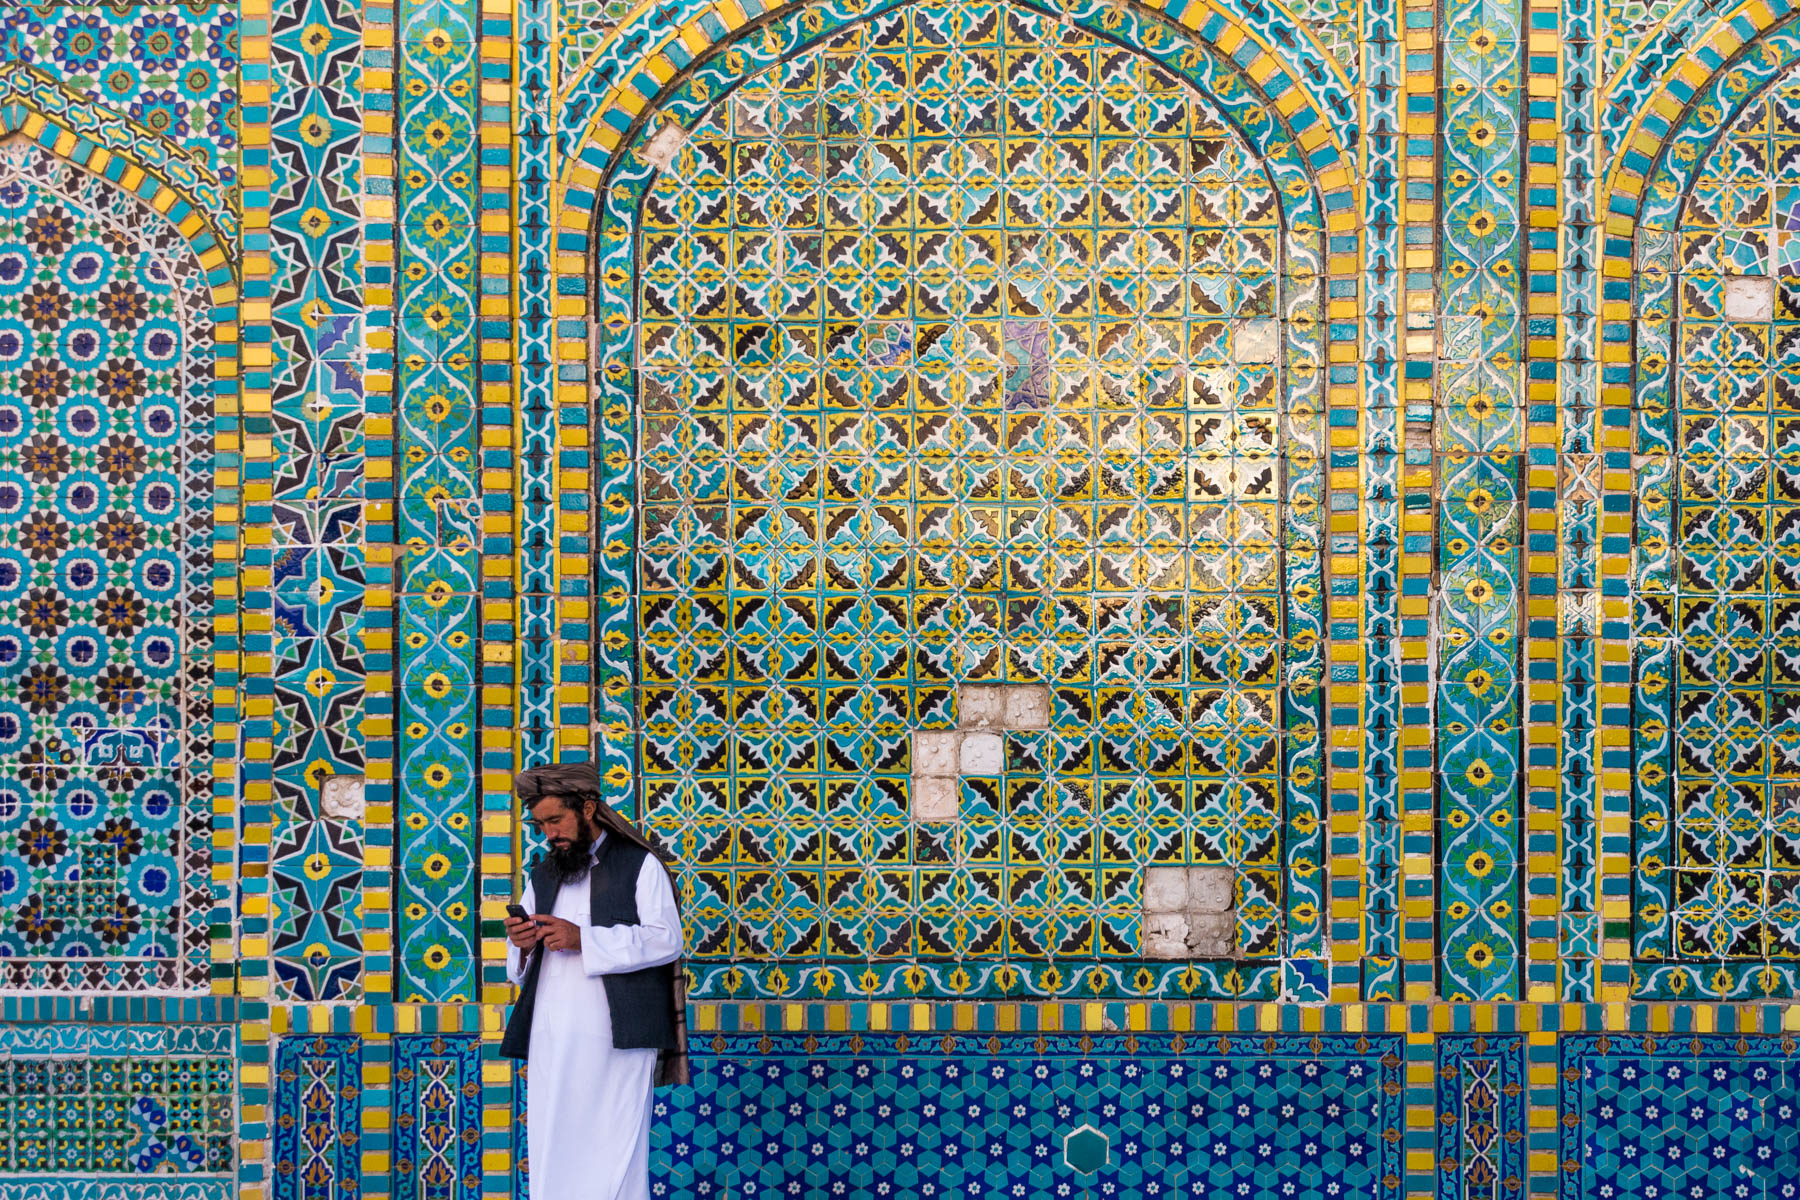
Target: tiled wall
<point>1223,574</point>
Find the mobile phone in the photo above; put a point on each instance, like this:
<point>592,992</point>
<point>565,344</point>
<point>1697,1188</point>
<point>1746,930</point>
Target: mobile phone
<point>517,912</point>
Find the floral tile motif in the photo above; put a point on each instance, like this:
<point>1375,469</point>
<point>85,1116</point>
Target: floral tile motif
<point>317,1095</point>
<point>1481,1116</point>
<point>438,1098</point>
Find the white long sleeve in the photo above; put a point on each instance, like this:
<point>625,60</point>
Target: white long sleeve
<point>654,940</point>
<point>515,957</point>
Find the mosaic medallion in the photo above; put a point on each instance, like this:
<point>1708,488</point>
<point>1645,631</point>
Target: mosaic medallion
<point>105,586</point>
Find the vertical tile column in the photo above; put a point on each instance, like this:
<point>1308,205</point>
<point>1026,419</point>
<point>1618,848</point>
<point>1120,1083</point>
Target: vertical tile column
<point>312,551</point>
<point>378,482</point>
<point>256,705</point>
<point>1481,409</point>
<point>535,430</point>
<point>437,518</point>
<point>534,436</point>
<point>1578,502</point>
<point>499,527</point>
<point>1538,579</point>
<point>254,1067</point>
<point>1418,566</point>
<point>1382,193</point>
<point>1345,696</point>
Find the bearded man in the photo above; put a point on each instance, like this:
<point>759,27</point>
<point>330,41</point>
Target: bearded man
<point>601,1016</point>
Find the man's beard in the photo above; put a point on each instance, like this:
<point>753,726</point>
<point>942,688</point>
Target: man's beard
<point>578,855</point>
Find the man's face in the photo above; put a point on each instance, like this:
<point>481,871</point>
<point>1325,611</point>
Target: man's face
<point>568,831</point>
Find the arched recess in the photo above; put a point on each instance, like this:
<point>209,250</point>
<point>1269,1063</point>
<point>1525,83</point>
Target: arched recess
<point>1714,401</point>
<point>117,307</point>
<point>863,878</point>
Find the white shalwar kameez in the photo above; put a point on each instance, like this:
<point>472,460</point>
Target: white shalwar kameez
<point>587,1103</point>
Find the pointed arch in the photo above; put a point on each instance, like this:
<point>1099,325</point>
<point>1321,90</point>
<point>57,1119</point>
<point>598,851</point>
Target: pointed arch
<point>1691,112</point>
<point>1308,158</point>
<point>110,158</point>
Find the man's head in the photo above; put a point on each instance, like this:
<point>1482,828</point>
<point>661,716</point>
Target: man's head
<point>560,802</point>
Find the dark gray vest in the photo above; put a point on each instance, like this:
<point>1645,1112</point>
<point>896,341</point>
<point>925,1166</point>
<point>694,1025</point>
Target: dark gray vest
<point>642,1002</point>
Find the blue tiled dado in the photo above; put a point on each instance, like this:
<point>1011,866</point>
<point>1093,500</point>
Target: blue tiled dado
<point>869,1116</point>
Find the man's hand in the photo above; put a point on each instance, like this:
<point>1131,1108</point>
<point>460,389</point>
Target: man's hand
<point>522,932</point>
<point>558,934</point>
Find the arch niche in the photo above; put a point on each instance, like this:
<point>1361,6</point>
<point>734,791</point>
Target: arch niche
<point>1716,400</point>
<point>951,346</point>
<point>111,288</point>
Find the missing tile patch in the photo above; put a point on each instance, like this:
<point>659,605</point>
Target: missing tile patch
<point>660,150</point>
<point>976,748</point>
<point>1749,298</point>
<point>1189,912</point>
<point>341,797</point>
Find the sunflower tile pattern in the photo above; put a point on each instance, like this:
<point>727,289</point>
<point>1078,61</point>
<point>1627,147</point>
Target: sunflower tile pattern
<point>436,369</point>
<point>1481,424</point>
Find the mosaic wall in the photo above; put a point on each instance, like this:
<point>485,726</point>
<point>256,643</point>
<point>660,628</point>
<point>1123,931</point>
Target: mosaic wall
<point>1205,597</point>
<point>106,359</point>
<point>1006,395</point>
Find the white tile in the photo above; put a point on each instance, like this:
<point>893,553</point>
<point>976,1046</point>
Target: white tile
<point>1165,889</point>
<point>935,798</point>
<point>1211,935</point>
<point>1256,341</point>
<point>981,707</point>
<point>982,754</point>
<point>1028,707</point>
<point>1749,298</point>
<point>341,797</point>
<point>1211,889</point>
<point>937,753</point>
<point>660,150</point>
<point>1165,935</point>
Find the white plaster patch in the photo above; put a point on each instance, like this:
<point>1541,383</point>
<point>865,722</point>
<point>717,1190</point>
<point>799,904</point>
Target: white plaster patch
<point>935,754</point>
<point>982,754</point>
<point>936,799</point>
<point>1165,889</point>
<point>1210,889</point>
<point>1749,298</point>
<point>1165,935</point>
<point>1211,935</point>
<point>341,797</point>
<point>981,707</point>
<point>660,150</point>
<point>1028,708</point>
<point>1188,912</point>
<point>1256,341</point>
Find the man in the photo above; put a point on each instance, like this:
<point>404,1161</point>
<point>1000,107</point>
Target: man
<point>601,1005</point>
